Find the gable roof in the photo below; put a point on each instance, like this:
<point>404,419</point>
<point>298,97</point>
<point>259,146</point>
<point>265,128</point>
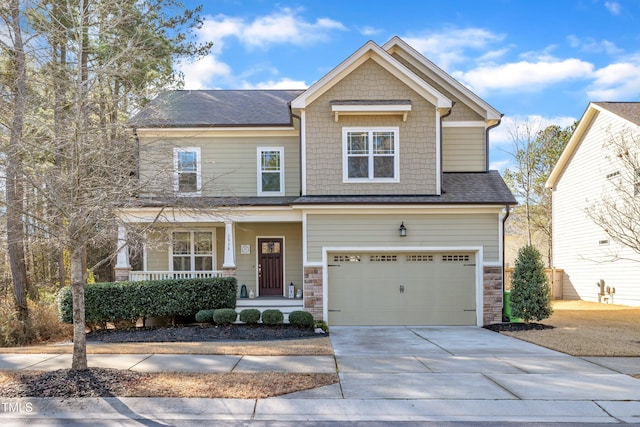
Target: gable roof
<point>217,108</point>
<point>402,48</point>
<point>370,50</point>
<point>628,111</point>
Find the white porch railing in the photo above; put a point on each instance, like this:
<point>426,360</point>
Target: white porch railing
<point>135,276</point>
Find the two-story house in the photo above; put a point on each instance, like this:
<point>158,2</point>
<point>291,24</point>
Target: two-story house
<point>370,192</point>
<point>593,177</point>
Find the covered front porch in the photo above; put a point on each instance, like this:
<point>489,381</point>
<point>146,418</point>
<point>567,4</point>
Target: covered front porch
<point>261,249</point>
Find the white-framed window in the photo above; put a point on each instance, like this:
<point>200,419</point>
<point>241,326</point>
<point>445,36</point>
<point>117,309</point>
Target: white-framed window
<point>270,171</point>
<point>192,251</point>
<point>186,171</point>
<point>370,154</point>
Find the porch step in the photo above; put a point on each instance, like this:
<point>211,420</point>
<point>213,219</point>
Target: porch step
<point>285,305</point>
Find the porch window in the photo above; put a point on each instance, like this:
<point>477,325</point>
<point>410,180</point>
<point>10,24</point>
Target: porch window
<point>370,154</point>
<point>192,251</point>
<point>271,171</point>
<point>186,166</point>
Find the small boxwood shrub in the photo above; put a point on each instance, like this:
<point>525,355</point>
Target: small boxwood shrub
<point>204,316</point>
<point>250,316</point>
<point>112,302</point>
<point>301,318</point>
<point>224,316</point>
<point>272,317</point>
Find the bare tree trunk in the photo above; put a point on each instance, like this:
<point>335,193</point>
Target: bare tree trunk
<point>15,191</point>
<point>79,361</point>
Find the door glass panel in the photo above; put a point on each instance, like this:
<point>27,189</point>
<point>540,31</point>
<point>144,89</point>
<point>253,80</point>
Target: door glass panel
<point>270,247</point>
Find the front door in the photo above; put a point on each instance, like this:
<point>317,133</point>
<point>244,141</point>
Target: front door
<point>270,274</point>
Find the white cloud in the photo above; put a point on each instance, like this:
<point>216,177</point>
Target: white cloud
<point>502,136</point>
<point>616,82</point>
<point>369,31</point>
<point>284,83</point>
<point>591,45</point>
<point>450,46</point>
<point>523,76</point>
<point>200,74</point>
<point>285,26</point>
<point>613,7</point>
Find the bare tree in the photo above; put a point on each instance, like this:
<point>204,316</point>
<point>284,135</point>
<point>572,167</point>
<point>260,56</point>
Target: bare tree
<point>94,62</point>
<point>536,152</point>
<point>14,49</point>
<point>618,210</point>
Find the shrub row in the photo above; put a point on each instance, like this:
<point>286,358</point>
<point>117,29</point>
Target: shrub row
<point>227,316</point>
<point>129,301</point>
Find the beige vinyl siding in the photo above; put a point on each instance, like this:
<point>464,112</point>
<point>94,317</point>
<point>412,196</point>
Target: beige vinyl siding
<point>463,149</point>
<point>416,138</point>
<point>247,234</point>
<point>576,238</point>
<point>377,230</point>
<point>229,164</point>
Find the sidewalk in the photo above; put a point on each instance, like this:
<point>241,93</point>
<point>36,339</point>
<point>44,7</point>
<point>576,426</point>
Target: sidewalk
<point>386,374</point>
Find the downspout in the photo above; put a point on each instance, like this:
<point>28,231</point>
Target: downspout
<point>504,220</point>
<point>442,146</point>
<point>486,141</point>
<point>299,148</point>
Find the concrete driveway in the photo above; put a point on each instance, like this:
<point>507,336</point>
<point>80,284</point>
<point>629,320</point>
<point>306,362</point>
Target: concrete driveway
<point>468,373</point>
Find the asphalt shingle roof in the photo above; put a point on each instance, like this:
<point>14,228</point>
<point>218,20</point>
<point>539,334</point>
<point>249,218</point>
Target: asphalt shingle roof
<point>458,188</point>
<point>217,108</point>
<point>627,110</point>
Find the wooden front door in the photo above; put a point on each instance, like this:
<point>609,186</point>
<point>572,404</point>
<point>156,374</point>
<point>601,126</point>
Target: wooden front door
<point>270,274</point>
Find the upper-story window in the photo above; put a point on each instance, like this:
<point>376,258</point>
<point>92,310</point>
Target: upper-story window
<point>271,171</point>
<point>186,170</point>
<point>370,154</point>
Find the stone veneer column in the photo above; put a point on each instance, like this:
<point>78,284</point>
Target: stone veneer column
<point>312,291</point>
<point>121,274</point>
<point>492,287</point>
<point>229,271</point>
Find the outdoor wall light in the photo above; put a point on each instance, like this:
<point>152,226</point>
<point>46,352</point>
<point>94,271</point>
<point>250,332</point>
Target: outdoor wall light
<point>403,230</point>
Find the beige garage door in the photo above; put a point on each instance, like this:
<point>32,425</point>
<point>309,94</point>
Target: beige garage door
<point>402,289</point>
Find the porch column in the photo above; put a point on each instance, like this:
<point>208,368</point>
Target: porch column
<point>229,264</point>
<point>122,267</point>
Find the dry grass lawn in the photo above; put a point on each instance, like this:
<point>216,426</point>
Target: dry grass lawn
<point>584,328</point>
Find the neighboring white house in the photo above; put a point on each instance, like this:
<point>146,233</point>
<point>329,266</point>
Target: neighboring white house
<point>586,173</point>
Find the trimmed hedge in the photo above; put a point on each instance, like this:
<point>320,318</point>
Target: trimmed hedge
<point>250,316</point>
<point>205,316</point>
<point>111,302</point>
<point>272,317</point>
<point>224,316</point>
<point>301,318</point>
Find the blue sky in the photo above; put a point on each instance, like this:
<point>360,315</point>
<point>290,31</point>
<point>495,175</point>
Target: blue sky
<point>536,61</point>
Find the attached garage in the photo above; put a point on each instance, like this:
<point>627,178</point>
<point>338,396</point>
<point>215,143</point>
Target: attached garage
<point>402,288</point>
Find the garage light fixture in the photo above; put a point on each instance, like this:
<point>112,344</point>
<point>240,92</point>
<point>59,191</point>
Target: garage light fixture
<point>403,230</point>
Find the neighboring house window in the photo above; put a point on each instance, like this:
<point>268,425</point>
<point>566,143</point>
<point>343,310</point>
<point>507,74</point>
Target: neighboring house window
<point>271,171</point>
<point>186,167</point>
<point>192,251</point>
<point>370,154</point>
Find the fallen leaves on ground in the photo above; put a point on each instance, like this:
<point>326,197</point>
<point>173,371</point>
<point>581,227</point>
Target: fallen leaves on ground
<point>100,382</point>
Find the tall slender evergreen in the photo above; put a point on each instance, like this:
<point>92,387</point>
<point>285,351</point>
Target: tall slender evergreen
<point>530,291</point>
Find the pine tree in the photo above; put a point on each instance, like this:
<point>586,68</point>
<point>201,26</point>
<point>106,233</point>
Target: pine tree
<point>530,292</point>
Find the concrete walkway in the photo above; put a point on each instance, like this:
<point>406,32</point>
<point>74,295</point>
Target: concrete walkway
<point>431,374</point>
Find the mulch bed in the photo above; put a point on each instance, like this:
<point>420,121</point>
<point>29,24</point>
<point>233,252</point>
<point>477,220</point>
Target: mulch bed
<point>202,333</point>
<point>515,327</point>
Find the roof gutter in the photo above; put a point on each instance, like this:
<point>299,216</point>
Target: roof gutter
<point>453,103</point>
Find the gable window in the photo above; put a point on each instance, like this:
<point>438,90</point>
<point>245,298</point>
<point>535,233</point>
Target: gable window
<point>271,171</point>
<point>186,170</point>
<point>370,154</point>
<point>192,251</point>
